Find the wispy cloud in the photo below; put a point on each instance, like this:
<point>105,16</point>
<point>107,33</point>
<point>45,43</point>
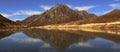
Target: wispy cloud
<point>115,5</point>
<point>84,8</point>
<point>22,12</point>
<point>45,7</point>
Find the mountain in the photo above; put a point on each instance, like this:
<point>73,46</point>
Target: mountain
<point>29,20</point>
<point>109,17</point>
<point>4,22</point>
<point>56,15</point>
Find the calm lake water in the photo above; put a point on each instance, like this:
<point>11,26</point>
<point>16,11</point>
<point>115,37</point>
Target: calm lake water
<point>41,40</point>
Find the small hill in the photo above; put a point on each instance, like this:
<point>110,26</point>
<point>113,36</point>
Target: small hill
<point>29,20</point>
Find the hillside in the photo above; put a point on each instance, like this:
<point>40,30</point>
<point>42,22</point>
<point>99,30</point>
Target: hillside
<point>4,22</point>
<point>56,15</point>
<point>109,17</point>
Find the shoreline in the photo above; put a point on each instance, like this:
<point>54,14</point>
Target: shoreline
<point>111,27</point>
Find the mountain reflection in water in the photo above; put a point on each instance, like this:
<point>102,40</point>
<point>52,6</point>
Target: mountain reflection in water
<point>41,40</point>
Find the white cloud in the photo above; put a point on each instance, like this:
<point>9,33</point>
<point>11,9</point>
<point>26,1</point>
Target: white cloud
<point>84,8</point>
<point>45,7</point>
<point>115,5</point>
<point>22,12</point>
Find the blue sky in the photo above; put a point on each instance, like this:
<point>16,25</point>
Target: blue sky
<point>21,9</point>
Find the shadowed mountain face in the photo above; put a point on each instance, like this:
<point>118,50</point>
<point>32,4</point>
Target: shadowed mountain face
<point>4,22</point>
<point>56,15</point>
<point>109,17</point>
<point>63,39</point>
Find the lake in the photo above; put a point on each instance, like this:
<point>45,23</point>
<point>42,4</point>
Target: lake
<point>41,40</point>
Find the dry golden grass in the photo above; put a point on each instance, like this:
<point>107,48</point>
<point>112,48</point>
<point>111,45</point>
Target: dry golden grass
<point>93,27</point>
<point>110,25</point>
